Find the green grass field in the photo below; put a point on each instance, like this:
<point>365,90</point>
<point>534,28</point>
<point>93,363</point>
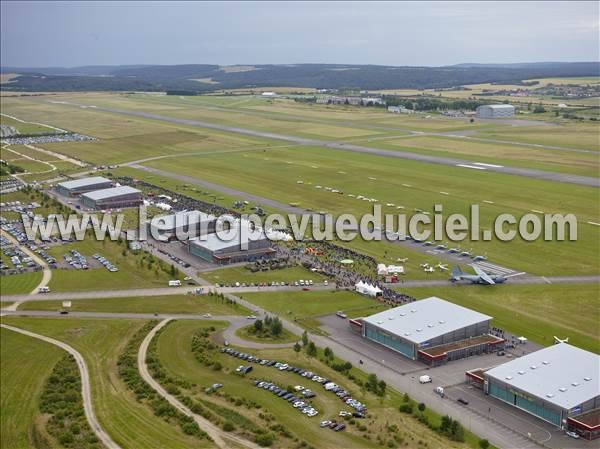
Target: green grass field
<point>174,352</point>
<point>19,284</point>
<point>129,423</point>
<point>133,271</point>
<point>150,304</point>
<point>247,333</point>
<point>26,363</point>
<point>304,307</point>
<point>242,274</point>
<point>537,312</point>
<point>25,127</point>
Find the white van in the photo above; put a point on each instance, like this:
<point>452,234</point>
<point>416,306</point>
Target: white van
<point>440,391</point>
<point>44,290</point>
<point>175,283</point>
<point>424,379</point>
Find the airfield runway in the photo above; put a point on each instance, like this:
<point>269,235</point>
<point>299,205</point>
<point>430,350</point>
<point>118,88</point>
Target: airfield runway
<point>526,172</point>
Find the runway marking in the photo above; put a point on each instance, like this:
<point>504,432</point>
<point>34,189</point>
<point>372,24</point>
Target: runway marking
<point>515,274</point>
<point>471,166</point>
<point>444,193</point>
<point>537,211</point>
<point>407,185</point>
<point>593,223</point>
<point>546,280</point>
<point>488,165</point>
<point>488,201</point>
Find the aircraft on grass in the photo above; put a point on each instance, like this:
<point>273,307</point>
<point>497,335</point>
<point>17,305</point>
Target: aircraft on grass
<point>559,340</point>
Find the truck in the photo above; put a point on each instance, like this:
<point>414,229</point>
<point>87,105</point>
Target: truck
<point>44,290</point>
<point>425,379</point>
<point>175,283</point>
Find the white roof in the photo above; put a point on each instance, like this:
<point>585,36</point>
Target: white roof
<point>556,374</point>
<point>183,219</point>
<point>420,321</point>
<point>83,182</point>
<point>213,242</point>
<point>498,106</point>
<point>108,193</point>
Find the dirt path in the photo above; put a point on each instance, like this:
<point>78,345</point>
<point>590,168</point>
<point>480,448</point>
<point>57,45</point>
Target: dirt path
<point>106,440</point>
<point>218,435</point>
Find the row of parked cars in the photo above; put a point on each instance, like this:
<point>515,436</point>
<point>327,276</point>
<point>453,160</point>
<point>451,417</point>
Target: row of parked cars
<point>104,261</point>
<point>341,393</point>
<point>76,260</point>
<point>175,259</point>
<point>296,402</point>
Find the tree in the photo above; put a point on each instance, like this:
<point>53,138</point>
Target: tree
<point>173,271</point>
<point>421,407</point>
<point>484,444</point>
<point>258,326</point>
<point>297,347</point>
<point>276,327</point>
<point>311,349</point>
<point>382,386</point>
<point>304,338</point>
<point>328,353</point>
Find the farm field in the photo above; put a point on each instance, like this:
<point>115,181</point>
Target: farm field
<point>151,304</point>
<point>131,424</point>
<point>537,312</point>
<point>26,363</point>
<point>176,356</point>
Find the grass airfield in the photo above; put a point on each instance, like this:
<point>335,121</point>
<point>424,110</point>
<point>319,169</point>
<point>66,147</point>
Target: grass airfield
<point>272,169</point>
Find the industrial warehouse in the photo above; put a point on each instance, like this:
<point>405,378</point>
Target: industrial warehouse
<point>431,330</point>
<point>559,384</point>
<point>80,186</point>
<point>112,198</point>
<point>192,223</point>
<point>495,111</point>
<point>215,249</point>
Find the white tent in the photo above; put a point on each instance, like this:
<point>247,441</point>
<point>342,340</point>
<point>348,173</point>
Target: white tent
<point>367,289</point>
<point>395,269</point>
<point>382,269</point>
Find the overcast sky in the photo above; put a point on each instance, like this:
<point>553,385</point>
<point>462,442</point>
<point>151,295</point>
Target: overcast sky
<point>404,33</point>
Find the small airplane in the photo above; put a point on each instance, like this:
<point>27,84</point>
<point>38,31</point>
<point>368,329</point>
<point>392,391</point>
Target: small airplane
<point>442,246</point>
<point>465,253</point>
<point>479,258</point>
<point>442,267</point>
<point>402,260</point>
<point>454,250</point>
<point>428,243</point>
<point>559,340</point>
<point>428,269</point>
<point>481,277</point>
<point>424,265</point>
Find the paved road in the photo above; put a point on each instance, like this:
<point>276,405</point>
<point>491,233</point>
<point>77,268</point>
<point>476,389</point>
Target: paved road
<point>526,172</point>
<point>219,436</point>
<point>106,440</point>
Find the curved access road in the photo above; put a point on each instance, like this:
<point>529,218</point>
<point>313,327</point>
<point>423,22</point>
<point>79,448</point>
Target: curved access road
<point>106,440</point>
<point>219,436</point>
<point>337,145</point>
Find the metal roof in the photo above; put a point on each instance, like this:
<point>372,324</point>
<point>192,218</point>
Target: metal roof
<point>110,192</point>
<point>423,320</point>
<point>181,219</point>
<point>83,182</point>
<point>498,106</point>
<point>213,242</point>
<point>562,374</point>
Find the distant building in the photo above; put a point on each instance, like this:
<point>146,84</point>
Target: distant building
<point>372,101</point>
<point>269,94</point>
<point>77,187</point>
<point>495,111</point>
<point>431,330</point>
<point>113,198</point>
<point>559,384</point>
<point>400,110</point>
